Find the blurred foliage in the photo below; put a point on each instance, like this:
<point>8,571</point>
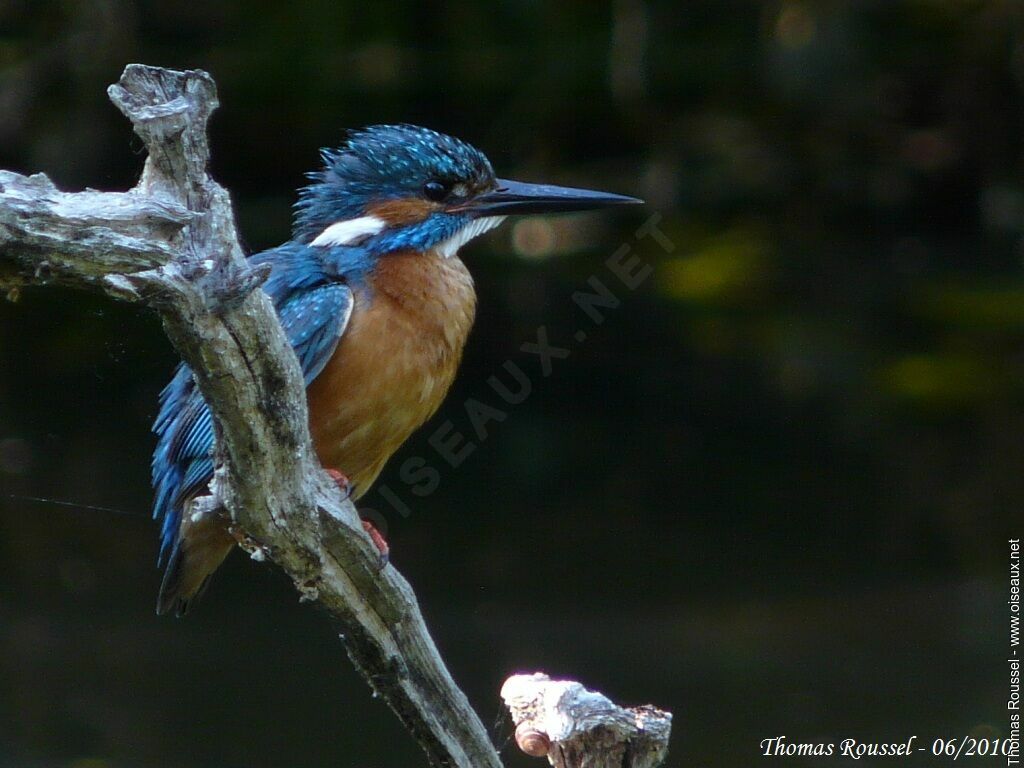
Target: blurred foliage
<point>800,435</point>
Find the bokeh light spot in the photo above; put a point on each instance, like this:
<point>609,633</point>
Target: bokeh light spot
<point>16,456</point>
<point>534,238</point>
<point>795,26</point>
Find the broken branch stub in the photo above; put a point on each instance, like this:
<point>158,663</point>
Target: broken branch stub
<point>577,728</point>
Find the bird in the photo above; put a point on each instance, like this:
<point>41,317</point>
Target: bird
<point>377,305</point>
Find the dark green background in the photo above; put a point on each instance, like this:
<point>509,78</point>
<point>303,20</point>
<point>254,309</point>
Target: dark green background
<point>770,492</point>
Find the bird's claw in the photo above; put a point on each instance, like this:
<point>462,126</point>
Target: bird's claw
<point>379,542</point>
<point>342,481</point>
<point>371,530</point>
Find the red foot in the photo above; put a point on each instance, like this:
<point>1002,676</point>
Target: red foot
<point>342,481</point>
<point>371,530</point>
<point>379,542</point>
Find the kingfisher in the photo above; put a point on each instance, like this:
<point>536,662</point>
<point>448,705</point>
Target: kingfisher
<point>377,305</point>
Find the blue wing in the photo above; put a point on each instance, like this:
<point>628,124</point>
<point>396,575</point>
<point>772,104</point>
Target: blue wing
<point>314,309</point>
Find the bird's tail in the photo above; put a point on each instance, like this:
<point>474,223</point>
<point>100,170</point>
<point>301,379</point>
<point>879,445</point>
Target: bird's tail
<point>197,553</point>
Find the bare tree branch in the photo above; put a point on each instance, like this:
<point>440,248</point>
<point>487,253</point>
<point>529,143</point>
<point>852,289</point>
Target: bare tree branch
<point>171,243</point>
<point>577,728</point>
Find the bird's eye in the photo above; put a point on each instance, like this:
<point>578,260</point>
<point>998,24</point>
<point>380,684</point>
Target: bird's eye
<point>436,190</point>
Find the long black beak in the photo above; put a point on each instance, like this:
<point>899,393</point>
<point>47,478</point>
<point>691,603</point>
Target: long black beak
<point>517,197</point>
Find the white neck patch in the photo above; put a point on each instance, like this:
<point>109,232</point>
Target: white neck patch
<point>349,232</point>
<point>475,228</point>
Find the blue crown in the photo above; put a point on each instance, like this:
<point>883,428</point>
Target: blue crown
<point>385,162</point>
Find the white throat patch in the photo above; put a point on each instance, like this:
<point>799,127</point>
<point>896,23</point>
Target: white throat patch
<point>349,232</point>
<point>475,228</point>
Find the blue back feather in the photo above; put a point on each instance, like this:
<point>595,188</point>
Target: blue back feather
<point>314,306</point>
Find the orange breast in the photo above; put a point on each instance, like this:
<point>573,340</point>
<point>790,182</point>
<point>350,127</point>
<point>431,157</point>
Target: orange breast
<point>394,363</point>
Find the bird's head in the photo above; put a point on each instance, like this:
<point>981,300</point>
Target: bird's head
<point>400,187</point>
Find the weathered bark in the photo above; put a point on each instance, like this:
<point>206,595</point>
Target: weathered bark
<point>577,728</point>
<point>171,243</point>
